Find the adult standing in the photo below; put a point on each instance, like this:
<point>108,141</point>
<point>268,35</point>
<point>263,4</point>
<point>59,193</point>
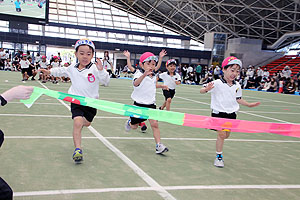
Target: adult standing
<point>198,73</point>
<point>107,63</point>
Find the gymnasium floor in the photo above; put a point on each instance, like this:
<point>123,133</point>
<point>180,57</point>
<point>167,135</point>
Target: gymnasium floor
<point>36,157</point>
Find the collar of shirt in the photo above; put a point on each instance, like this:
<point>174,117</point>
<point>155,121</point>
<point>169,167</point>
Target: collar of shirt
<point>224,81</point>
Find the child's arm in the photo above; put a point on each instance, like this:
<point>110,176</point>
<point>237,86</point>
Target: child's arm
<point>208,87</point>
<point>138,81</point>
<point>161,55</point>
<point>103,74</point>
<point>127,55</point>
<point>164,87</point>
<point>245,103</point>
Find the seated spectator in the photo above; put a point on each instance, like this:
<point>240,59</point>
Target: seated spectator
<point>251,83</point>
<point>261,85</point>
<point>266,73</point>
<point>290,87</point>
<point>273,86</point>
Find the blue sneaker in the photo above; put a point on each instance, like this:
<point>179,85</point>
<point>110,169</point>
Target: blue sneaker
<point>127,125</point>
<point>77,155</point>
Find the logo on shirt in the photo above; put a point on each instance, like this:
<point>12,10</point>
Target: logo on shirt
<point>91,78</point>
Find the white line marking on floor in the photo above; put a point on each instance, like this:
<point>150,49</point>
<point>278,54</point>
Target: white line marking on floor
<point>150,138</point>
<point>136,189</point>
<point>150,181</point>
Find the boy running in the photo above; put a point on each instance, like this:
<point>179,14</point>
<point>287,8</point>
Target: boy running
<point>143,95</point>
<point>86,78</point>
<point>226,95</point>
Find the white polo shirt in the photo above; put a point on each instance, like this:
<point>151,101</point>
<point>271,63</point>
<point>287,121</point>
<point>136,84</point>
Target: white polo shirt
<point>55,64</point>
<point>85,82</point>
<point>43,65</point>
<point>24,64</point>
<point>145,92</point>
<point>224,97</point>
<point>169,80</point>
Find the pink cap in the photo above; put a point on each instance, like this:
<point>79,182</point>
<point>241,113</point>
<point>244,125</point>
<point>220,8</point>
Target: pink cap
<point>147,56</point>
<point>24,54</point>
<point>231,60</point>
<point>170,62</point>
<point>44,57</point>
<point>54,57</point>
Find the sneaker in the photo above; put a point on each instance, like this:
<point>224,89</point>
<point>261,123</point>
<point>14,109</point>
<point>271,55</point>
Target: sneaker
<point>77,155</point>
<point>160,148</point>
<point>219,162</point>
<point>127,125</point>
<point>143,127</point>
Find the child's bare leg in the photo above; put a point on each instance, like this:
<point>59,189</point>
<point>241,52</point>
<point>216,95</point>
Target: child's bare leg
<point>163,106</point>
<point>134,126</point>
<point>79,122</point>
<point>155,129</point>
<point>168,103</point>
<point>222,135</point>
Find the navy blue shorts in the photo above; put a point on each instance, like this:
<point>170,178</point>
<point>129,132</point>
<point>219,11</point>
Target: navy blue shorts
<point>139,120</point>
<point>169,93</point>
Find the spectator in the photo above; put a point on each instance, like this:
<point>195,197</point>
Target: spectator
<point>217,72</point>
<point>281,84</point>
<point>273,85</point>
<point>184,72</point>
<point>286,72</point>
<point>2,58</point>
<point>266,73</point>
<point>290,86</point>
<point>198,73</point>
<point>260,74</point>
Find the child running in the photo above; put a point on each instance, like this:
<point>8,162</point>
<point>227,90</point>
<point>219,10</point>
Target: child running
<point>85,77</point>
<point>170,79</point>
<point>133,70</point>
<point>226,95</point>
<point>143,95</point>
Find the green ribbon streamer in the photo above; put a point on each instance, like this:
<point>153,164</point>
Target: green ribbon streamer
<point>108,106</point>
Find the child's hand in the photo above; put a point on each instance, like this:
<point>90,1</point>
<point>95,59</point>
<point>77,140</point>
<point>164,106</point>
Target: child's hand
<point>148,72</point>
<point>165,87</point>
<point>209,86</point>
<point>126,53</point>
<point>99,64</point>
<point>253,104</point>
<point>162,53</point>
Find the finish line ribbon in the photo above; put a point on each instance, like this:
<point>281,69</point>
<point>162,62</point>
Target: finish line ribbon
<point>177,118</point>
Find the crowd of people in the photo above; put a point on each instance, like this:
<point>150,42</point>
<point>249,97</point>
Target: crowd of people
<point>252,77</point>
<point>281,81</point>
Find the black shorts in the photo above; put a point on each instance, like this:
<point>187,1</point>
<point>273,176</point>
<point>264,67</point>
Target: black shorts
<point>83,111</point>
<point>139,120</point>
<point>169,93</point>
<point>224,115</point>
<point>23,70</point>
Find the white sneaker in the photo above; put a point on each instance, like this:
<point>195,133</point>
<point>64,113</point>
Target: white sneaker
<point>160,148</point>
<point>127,125</point>
<point>219,163</point>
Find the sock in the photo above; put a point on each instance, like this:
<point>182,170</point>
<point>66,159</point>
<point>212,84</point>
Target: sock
<point>219,155</point>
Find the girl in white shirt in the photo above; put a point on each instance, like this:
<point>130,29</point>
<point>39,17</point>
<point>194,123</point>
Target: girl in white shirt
<point>170,79</point>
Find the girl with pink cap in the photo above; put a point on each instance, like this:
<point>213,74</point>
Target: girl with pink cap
<point>226,95</point>
<point>143,95</point>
